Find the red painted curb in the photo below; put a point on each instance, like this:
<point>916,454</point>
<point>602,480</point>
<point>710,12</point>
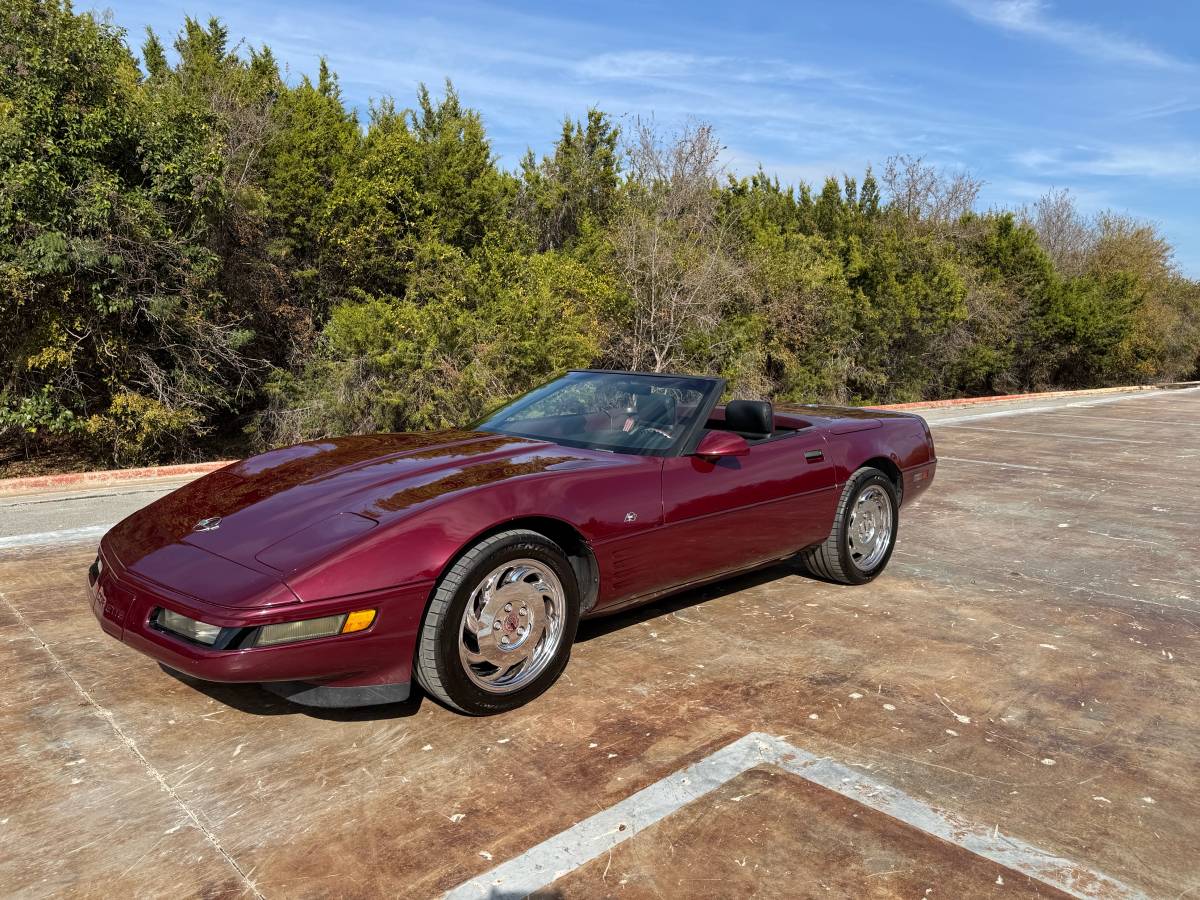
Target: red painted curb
<point>69,480</point>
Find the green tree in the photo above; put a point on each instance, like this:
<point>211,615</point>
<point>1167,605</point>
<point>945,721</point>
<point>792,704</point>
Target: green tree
<point>575,190</point>
<point>424,187</point>
<point>103,278</point>
<point>314,141</point>
<point>194,252</point>
<point>495,328</point>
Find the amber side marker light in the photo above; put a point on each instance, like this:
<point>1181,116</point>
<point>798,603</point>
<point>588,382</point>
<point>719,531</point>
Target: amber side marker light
<point>358,621</point>
<point>307,629</point>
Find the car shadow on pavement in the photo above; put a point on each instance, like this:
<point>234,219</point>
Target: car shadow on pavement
<point>250,698</point>
<point>253,699</point>
<point>602,625</point>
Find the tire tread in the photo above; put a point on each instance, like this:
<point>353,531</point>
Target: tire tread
<point>426,668</point>
<point>825,559</point>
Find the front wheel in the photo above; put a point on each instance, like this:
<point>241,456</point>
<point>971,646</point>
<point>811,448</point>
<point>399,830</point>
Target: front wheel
<point>864,531</point>
<point>500,626</point>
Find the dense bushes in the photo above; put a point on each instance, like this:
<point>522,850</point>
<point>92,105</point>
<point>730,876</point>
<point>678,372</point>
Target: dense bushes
<point>194,251</point>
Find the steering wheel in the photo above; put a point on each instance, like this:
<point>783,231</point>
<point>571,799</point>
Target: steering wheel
<point>659,435</point>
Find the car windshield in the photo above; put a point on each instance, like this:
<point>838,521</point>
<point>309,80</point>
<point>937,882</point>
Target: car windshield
<point>643,414</point>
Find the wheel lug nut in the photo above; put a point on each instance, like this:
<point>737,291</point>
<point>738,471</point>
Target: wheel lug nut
<point>496,626</point>
<point>508,607</point>
<point>524,611</point>
<point>504,640</point>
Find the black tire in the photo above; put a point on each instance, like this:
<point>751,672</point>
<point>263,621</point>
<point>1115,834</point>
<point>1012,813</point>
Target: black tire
<point>437,663</point>
<point>832,559</point>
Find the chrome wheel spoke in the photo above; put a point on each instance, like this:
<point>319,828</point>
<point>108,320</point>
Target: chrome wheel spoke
<point>518,573</point>
<point>513,668</point>
<point>536,632</point>
<point>471,656</point>
<point>488,652</point>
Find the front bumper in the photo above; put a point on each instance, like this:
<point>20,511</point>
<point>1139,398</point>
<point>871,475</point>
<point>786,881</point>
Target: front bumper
<point>366,667</point>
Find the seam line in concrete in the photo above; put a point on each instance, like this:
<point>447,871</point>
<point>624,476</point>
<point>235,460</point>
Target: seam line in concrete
<point>133,748</point>
<point>1054,434</point>
<point>1069,588</point>
<point>992,462</point>
<point>550,860</point>
<point>1119,420</point>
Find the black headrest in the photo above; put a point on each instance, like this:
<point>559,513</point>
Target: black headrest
<point>751,416</point>
<point>656,409</point>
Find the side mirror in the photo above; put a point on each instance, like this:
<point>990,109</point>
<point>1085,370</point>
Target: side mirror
<point>717,444</point>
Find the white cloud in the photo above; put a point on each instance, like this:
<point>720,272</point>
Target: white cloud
<point>640,64</point>
<point>1031,17</point>
<point>1165,109</point>
<point>1179,161</point>
<point>1038,159</point>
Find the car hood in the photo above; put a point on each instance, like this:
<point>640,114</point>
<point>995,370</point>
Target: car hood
<point>284,509</point>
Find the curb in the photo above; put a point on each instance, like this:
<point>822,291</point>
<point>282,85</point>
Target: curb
<point>71,480</point>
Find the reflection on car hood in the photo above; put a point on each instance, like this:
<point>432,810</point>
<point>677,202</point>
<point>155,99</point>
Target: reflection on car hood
<point>264,499</point>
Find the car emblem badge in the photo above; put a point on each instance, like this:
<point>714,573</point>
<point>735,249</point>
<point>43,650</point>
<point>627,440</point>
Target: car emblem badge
<point>210,524</point>
<point>631,517</point>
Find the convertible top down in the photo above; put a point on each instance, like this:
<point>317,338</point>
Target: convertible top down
<point>335,571</point>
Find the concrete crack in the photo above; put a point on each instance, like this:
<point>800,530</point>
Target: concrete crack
<point>133,748</point>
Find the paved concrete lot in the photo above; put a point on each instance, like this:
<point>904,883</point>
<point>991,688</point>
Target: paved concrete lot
<point>1028,667</point>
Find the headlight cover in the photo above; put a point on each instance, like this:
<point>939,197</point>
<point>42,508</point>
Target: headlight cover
<point>305,629</point>
<point>192,629</point>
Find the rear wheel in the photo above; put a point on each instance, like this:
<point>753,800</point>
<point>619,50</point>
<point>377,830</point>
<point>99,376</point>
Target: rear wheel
<point>499,629</point>
<point>864,531</point>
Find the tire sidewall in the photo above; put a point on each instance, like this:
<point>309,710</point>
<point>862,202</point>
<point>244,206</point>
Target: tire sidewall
<point>462,691</point>
<point>853,573</point>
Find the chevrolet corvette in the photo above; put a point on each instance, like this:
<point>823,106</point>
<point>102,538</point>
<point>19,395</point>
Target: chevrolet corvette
<point>337,571</point>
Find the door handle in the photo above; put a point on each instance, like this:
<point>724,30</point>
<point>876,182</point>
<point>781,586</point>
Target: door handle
<point>814,455</point>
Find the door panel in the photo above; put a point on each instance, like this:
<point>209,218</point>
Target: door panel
<point>738,511</point>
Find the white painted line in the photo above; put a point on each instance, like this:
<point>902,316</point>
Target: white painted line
<point>1056,434</point>
<point>550,860</point>
<point>1049,407</point>
<point>990,462</point>
<point>1120,419</point>
<point>67,535</point>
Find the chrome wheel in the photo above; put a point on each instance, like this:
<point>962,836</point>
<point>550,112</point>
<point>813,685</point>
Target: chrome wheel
<point>512,625</point>
<point>870,528</point>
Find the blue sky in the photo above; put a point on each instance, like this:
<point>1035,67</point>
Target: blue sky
<point>1099,97</point>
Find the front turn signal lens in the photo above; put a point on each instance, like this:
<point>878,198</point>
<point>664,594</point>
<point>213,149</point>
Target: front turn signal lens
<point>358,620</point>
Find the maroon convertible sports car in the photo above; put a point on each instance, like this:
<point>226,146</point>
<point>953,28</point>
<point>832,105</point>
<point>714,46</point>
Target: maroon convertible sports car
<point>335,571</point>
